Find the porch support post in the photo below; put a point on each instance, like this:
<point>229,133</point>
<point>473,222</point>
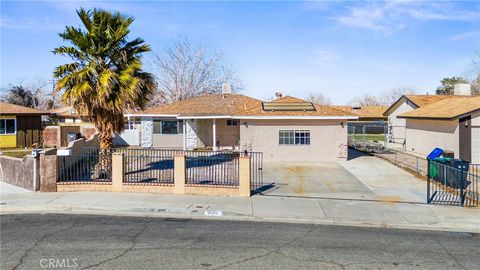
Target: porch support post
<point>214,126</point>
<point>184,127</point>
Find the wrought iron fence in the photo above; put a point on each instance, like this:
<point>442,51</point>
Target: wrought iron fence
<point>219,168</point>
<point>256,171</point>
<point>155,166</point>
<point>454,183</point>
<point>89,166</point>
<point>148,166</point>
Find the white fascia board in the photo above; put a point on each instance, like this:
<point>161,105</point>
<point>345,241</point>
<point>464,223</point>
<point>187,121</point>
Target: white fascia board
<point>297,117</point>
<point>204,117</point>
<point>151,115</point>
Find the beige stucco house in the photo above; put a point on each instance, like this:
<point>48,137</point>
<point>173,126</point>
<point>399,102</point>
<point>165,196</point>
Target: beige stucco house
<point>451,124</point>
<point>406,103</point>
<point>287,128</point>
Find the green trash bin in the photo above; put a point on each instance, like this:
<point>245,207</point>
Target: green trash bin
<point>436,168</point>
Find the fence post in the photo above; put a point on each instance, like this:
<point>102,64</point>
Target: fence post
<point>48,171</point>
<point>179,173</point>
<point>117,171</point>
<point>245,177</point>
<point>428,180</point>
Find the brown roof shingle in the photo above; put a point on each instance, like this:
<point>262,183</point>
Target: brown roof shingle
<point>422,100</point>
<point>211,104</point>
<point>320,110</point>
<point>446,109</point>
<point>236,105</point>
<point>8,108</point>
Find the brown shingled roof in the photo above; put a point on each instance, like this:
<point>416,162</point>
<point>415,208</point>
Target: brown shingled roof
<point>371,111</point>
<point>422,100</point>
<point>236,105</point>
<point>7,108</point>
<point>211,104</point>
<point>446,109</point>
<point>320,110</point>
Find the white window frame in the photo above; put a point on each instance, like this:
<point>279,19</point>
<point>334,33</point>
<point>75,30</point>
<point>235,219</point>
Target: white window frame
<point>237,121</point>
<point>295,132</point>
<point>14,126</point>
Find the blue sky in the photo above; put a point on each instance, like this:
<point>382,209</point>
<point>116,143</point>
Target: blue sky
<point>340,49</point>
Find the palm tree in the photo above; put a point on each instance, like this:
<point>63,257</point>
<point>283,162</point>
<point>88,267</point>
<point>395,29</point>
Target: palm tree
<point>105,78</point>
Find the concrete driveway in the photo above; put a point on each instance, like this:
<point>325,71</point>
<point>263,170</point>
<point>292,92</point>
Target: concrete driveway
<point>361,178</point>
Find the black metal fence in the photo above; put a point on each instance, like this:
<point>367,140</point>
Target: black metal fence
<point>148,166</point>
<point>219,168</point>
<point>151,166</point>
<point>89,166</point>
<point>454,184</point>
<point>256,172</point>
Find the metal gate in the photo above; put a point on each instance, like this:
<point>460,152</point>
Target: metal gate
<point>452,185</point>
<point>256,168</point>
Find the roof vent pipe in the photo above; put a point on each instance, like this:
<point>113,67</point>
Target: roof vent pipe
<point>226,88</point>
<point>278,94</point>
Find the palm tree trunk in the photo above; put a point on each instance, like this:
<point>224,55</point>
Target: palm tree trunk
<point>105,155</point>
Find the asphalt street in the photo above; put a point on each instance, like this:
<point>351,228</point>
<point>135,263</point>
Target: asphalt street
<point>52,241</point>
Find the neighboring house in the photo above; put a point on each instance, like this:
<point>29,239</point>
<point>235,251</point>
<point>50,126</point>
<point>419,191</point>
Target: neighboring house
<point>287,128</point>
<point>19,126</point>
<point>67,115</point>
<point>451,124</point>
<point>397,126</point>
<point>366,113</point>
<point>67,121</point>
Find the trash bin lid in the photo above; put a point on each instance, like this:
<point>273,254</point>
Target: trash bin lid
<point>435,153</point>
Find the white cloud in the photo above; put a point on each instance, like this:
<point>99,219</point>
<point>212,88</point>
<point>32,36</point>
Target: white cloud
<point>464,36</point>
<point>387,17</point>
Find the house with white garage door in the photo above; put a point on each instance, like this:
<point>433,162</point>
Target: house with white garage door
<point>286,128</point>
<point>451,124</point>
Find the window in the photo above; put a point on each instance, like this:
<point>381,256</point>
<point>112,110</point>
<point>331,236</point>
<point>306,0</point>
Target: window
<point>167,127</point>
<point>294,137</point>
<point>7,126</point>
<point>233,122</point>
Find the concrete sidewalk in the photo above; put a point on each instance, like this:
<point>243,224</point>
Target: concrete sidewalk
<point>331,211</point>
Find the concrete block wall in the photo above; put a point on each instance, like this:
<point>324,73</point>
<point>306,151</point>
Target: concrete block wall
<point>20,172</point>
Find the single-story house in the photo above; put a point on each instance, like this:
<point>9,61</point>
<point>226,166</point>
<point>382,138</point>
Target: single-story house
<point>406,103</point>
<point>367,113</point>
<point>67,115</point>
<point>19,126</point>
<point>287,128</point>
<point>451,124</point>
<point>66,120</point>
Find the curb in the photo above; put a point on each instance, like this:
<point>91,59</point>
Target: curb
<point>152,212</point>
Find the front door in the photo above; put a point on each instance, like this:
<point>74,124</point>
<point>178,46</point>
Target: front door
<point>465,136</point>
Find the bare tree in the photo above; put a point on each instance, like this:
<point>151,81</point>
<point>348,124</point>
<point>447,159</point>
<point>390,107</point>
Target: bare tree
<point>365,100</point>
<point>33,95</point>
<point>184,71</point>
<point>388,97</point>
<point>319,98</point>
